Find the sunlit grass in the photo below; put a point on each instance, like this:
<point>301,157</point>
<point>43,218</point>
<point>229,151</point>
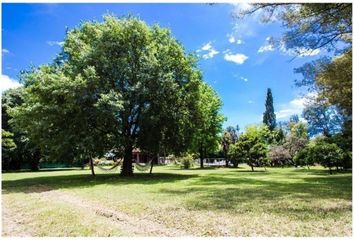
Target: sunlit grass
<point>209,202</point>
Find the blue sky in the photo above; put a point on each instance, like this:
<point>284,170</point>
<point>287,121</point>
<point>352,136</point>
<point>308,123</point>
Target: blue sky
<point>235,57</point>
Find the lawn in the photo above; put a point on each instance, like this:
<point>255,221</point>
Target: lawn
<point>176,202</point>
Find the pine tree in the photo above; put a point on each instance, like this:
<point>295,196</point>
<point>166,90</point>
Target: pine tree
<point>269,115</point>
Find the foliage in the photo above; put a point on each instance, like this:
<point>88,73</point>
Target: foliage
<point>277,136</point>
<point>269,117</point>
<point>279,155</point>
<point>226,142</point>
<point>335,82</point>
<point>7,146</point>
<point>117,84</point>
<point>207,122</point>
<point>234,132</point>
<point>235,154</point>
<point>186,161</point>
<point>17,149</point>
<point>310,25</point>
<point>298,129</point>
<point>328,155</point>
<point>294,144</point>
<point>304,157</point>
<point>252,147</point>
<point>322,118</point>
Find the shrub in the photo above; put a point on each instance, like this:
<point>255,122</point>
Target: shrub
<point>305,157</point>
<point>328,155</point>
<point>186,161</point>
<point>235,154</point>
<point>279,156</point>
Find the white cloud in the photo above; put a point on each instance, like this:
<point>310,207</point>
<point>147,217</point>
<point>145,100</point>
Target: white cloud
<point>250,102</point>
<point>295,106</point>
<point>210,54</point>
<point>237,58</point>
<point>300,51</point>
<point>244,79</point>
<point>55,43</point>
<point>267,47</point>
<point>206,46</point>
<point>242,6</point>
<point>232,39</point>
<point>7,83</point>
<point>208,50</point>
<point>5,51</point>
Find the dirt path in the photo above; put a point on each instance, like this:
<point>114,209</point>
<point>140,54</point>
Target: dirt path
<point>12,226</point>
<point>130,224</point>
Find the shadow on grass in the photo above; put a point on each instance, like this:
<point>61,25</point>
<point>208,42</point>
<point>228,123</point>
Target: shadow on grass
<point>28,185</point>
<point>300,199</point>
<point>42,170</point>
<point>300,193</point>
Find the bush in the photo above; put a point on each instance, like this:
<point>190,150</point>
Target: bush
<point>186,161</point>
<point>305,157</point>
<point>329,155</point>
<point>279,156</point>
<point>235,154</point>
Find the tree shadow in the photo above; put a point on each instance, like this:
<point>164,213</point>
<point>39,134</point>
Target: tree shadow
<point>43,170</point>
<point>47,183</point>
<point>241,195</point>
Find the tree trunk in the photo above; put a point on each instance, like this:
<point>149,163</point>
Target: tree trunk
<point>127,167</point>
<point>252,168</point>
<point>201,159</point>
<point>226,160</point>
<point>152,164</point>
<point>92,167</point>
<point>34,164</point>
<point>330,170</point>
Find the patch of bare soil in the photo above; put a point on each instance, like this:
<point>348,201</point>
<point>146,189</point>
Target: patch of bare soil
<point>130,224</point>
<point>12,224</point>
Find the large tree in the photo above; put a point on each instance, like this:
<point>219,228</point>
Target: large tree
<point>269,117</point>
<point>115,84</point>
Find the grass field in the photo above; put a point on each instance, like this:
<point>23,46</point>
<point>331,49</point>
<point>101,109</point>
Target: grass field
<point>176,202</point>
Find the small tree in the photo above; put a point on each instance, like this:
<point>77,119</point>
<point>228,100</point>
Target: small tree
<point>252,147</point>
<point>328,155</point>
<point>304,157</point>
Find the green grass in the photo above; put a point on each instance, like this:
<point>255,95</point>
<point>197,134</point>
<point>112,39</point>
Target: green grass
<point>209,202</point>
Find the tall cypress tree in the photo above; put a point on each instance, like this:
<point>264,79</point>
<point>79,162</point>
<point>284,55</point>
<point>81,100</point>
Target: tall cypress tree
<point>269,115</point>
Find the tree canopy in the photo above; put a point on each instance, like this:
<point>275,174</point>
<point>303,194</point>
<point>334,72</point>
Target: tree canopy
<point>207,122</point>
<point>117,84</point>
